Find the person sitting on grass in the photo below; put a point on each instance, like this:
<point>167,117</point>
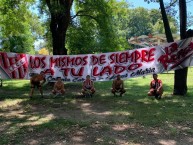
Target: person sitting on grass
<point>156,88</point>
<point>58,87</point>
<point>37,81</point>
<point>118,86</point>
<point>88,86</point>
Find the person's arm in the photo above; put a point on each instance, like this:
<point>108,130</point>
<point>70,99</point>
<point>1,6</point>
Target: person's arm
<point>42,82</point>
<point>62,86</point>
<point>92,84</point>
<point>83,85</point>
<point>31,81</point>
<point>151,85</point>
<point>122,84</point>
<point>113,84</point>
<point>160,85</point>
<point>55,86</point>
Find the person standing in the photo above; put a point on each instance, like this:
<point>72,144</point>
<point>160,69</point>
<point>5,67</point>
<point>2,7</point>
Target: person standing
<point>37,81</point>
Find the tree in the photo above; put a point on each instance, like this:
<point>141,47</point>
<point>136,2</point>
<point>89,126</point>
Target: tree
<point>143,22</point>
<point>139,22</point>
<point>158,25</point>
<point>87,35</point>
<point>85,13</point>
<point>180,76</point>
<point>60,18</point>
<point>18,26</point>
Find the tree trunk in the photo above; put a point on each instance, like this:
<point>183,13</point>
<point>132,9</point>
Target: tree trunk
<point>180,76</point>
<point>166,23</point>
<point>60,20</point>
<point>58,38</point>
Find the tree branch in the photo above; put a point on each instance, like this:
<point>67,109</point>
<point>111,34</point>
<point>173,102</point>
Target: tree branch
<point>87,16</point>
<point>48,4</point>
<point>77,14</point>
<point>171,4</point>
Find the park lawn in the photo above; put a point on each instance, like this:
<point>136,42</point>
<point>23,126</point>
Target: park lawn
<point>103,119</point>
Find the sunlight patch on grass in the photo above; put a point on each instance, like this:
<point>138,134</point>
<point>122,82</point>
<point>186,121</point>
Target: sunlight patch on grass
<point>78,137</point>
<point>174,101</point>
<point>73,101</point>
<point>85,104</point>
<point>122,102</point>
<point>16,83</point>
<point>167,142</point>
<point>38,120</point>
<point>105,94</point>
<point>146,100</point>
<point>123,113</point>
<point>87,108</point>
<point>11,102</point>
<point>14,113</point>
<point>120,127</point>
<point>102,114</point>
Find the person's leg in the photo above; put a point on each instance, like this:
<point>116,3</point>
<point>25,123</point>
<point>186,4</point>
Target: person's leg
<point>113,91</point>
<point>54,92</point>
<point>159,93</point>
<point>93,91</point>
<point>122,91</point>
<point>83,91</point>
<point>41,91</point>
<point>151,92</point>
<point>62,92</point>
<point>1,84</point>
<point>32,90</point>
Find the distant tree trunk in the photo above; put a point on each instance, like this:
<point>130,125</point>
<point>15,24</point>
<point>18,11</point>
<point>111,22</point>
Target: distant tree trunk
<point>60,20</point>
<point>180,77</point>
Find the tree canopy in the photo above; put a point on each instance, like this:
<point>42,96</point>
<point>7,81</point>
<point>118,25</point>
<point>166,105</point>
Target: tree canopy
<point>19,26</point>
<point>76,26</point>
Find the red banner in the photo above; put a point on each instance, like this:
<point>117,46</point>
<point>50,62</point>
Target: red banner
<point>101,67</point>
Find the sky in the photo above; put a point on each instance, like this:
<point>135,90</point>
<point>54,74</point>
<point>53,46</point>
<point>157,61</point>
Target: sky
<point>141,3</point>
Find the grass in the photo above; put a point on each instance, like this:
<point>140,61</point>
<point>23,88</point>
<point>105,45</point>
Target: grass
<point>103,119</point>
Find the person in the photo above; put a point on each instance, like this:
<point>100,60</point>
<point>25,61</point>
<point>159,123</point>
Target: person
<point>58,87</point>
<point>37,81</point>
<point>88,86</point>
<point>118,86</point>
<point>156,87</point>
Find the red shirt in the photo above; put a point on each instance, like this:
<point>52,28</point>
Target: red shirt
<point>155,84</point>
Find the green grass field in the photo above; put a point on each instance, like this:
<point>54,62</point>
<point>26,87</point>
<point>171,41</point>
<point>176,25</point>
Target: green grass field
<point>133,119</point>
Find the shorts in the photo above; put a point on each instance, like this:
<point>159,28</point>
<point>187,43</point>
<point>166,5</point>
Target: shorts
<point>88,88</point>
<point>35,84</point>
